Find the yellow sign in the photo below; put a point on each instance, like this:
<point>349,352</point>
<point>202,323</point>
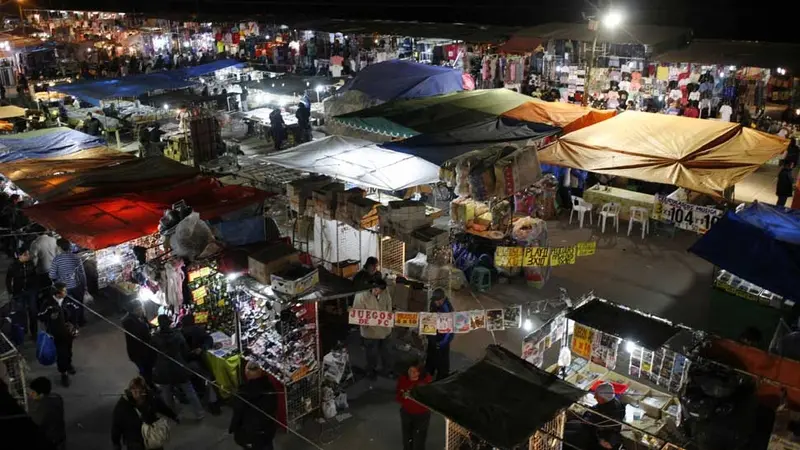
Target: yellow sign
<point>199,273</point>
<point>561,256</point>
<point>406,319</point>
<point>582,341</point>
<point>586,248</point>
<point>199,293</point>
<point>536,257</point>
<point>201,317</point>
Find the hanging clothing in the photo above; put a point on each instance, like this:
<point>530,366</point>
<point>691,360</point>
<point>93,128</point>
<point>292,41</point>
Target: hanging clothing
<point>174,275</point>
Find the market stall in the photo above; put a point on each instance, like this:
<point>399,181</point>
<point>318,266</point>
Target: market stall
<point>47,143</point>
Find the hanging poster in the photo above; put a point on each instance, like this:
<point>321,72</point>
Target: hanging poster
<point>582,341</point>
<point>536,257</point>
<point>406,319</point>
<point>561,256</point>
<point>477,319</point>
<point>494,320</point>
<point>586,248</point>
<point>427,323</point>
<point>635,366</point>
<point>370,318</point>
<point>528,350</point>
<point>647,363</point>
<point>512,316</point>
<point>444,323</point>
<point>462,321</point>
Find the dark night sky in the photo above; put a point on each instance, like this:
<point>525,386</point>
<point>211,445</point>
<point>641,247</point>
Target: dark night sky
<point>763,21</point>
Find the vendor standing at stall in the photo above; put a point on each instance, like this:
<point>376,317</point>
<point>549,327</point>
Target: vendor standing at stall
<point>376,339</point>
<point>600,428</point>
<point>303,115</point>
<point>366,277</point>
<point>437,362</point>
<point>277,127</point>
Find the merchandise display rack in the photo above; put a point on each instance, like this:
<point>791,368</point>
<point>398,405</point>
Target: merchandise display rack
<point>549,438</point>
<point>280,333</point>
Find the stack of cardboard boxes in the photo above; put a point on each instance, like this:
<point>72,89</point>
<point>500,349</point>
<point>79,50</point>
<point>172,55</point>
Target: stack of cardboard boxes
<point>325,200</point>
<point>361,213</point>
<point>403,217</point>
<point>300,191</point>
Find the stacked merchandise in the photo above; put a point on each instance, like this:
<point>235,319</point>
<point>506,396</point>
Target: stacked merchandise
<point>210,301</point>
<point>357,211</point>
<point>325,200</point>
<point>206,138</point>
<point>403,217</point>
<point>115,264</point>
<point>732,284</point>
<point>281,336</point>
<point>300,191</point>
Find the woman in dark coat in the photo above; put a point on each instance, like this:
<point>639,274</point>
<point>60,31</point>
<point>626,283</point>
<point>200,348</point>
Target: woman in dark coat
<point>138,405</point>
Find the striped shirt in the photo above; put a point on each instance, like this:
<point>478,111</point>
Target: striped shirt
<point>68,269</point>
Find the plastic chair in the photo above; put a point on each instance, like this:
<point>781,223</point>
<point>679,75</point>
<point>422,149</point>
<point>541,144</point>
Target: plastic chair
<point>640,215</point>
<point>480,279</point>
<point>610,211</point>
<point>580,206</point>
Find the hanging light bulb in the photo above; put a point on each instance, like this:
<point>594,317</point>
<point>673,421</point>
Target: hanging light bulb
<point>527,325</point>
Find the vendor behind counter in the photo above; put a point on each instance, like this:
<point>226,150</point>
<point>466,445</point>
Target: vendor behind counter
<point>600,428</point>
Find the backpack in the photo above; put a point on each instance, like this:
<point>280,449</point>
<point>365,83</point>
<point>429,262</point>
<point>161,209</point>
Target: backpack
<point>45,349</point>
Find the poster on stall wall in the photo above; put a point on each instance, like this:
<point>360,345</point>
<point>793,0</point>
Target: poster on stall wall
<point>427,323</point>
<point>494,320</point>
<point>477,319</point>
<point>532,352</point>
<point>604,350</point>
<point>371,318</point>
<point>647,363</point>
<point>406,319</point>
<point>582,338</point>
<point>658,359</point>
<point>512,316</point>
<point>444,323</point>
<point>462,322</point>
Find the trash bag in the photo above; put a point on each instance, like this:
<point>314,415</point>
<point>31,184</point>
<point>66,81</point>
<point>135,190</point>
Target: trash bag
<point>191,237</point>
<point>45,349</point>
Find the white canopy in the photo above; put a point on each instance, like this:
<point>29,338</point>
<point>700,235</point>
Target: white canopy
<point>358,161</point>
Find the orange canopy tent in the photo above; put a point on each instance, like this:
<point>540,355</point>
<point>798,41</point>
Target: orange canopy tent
<point>706,156</point>
<point>567,116</point>
<point>79,162</point>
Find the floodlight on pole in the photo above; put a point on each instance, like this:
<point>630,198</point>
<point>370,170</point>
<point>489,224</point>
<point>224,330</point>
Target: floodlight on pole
<point>613,19</point>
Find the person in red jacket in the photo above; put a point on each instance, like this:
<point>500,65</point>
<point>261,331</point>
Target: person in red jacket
<point>414,418</point>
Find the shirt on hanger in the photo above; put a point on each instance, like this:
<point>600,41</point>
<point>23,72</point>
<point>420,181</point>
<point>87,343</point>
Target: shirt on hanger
<point>725,112</point>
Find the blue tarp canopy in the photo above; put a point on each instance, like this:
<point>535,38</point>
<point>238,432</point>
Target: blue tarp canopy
<point>398,79</point>
<point>135,85</point>
<point>47,143</point>
<point>443,146</point>
<point>760,244</point>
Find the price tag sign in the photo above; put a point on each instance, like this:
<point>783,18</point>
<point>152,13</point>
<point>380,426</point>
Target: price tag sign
<point>501,256</point>
<point>201,317</point>
<point>561,256</point>
<point>582,341</point>
<point>586,248</point>
<point>685,216</point>
<point>536,257</point>
<point>508,256</point>
<point>371,318</point>
<point>200,273</point>
<point>199,294</point>
<point>406,319</point>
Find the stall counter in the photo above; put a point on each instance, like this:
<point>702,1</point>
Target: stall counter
<point>598,195</point>
<point>225,372</point>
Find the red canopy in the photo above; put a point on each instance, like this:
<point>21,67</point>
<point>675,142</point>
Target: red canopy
<point>97,223</point>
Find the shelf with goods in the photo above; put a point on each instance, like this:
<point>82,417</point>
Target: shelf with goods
<point>281,334</point>
<point>210,301</point>
<point>116,265</point>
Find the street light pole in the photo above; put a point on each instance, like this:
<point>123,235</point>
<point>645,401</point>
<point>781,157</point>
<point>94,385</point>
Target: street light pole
<point>588,78</point>
<point>21,17</point>
<point>610,20</point>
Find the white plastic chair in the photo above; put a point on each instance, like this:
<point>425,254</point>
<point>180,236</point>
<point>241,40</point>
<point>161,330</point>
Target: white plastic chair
<point>580,206</point>
<point>609,211</point>
<point>640,215</point>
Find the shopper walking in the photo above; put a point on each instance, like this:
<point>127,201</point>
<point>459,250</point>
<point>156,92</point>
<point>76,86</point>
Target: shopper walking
<point>138,342</point>
<point>67,268</point>
<point>438,359</point>
<point>170,371</point>
<point>199,341</point>
<point>376,339</point>
<point>46,409</point>
<point>138,406</point>
<point>785,186</point>
<point>414,418</point>
<point>253,422</point>
<point>43,250</point>
<point>22,285</point>
<point>56,313</point>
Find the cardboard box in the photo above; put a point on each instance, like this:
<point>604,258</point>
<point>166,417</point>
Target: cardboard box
<point>345,269</point>
<point>273,259</point>
<point>295,280</point>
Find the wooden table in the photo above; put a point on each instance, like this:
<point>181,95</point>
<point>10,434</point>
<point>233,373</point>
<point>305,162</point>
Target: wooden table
<point>598,195</point>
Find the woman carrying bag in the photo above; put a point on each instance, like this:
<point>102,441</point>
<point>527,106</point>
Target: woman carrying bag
<point>140,419</point>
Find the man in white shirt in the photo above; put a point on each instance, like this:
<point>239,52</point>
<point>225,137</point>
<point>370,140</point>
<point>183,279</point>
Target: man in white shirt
<point>725,112</point>
<point>43,250</point>
<point>375,338</point>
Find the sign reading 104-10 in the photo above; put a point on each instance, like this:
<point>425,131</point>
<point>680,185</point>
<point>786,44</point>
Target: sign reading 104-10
<point>685,215</point>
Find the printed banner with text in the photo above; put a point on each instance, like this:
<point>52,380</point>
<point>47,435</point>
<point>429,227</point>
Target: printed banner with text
<point>542,256</point>
<point>433,323</point>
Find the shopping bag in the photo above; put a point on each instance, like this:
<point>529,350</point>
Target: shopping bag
<point>155,434</point>
<point>45,349</point>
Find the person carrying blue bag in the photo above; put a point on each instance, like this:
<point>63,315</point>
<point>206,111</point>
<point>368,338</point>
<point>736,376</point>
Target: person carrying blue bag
<point>57,312</point>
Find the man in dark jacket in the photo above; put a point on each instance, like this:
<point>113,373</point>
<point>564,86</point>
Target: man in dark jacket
<point>170,371</point>
<point>251,429</point>
<point>365,278</point>
<point>57,310</point>
<point>437,362</point>
<point>277,127</point>
<point>93,126</point>
<point>138,405</point>
<point>22,284</point>
<point>785,187</point>
<point>303,115</point>
<point>136,343</point>
<point>46,408</point>
<point>199,342</point>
